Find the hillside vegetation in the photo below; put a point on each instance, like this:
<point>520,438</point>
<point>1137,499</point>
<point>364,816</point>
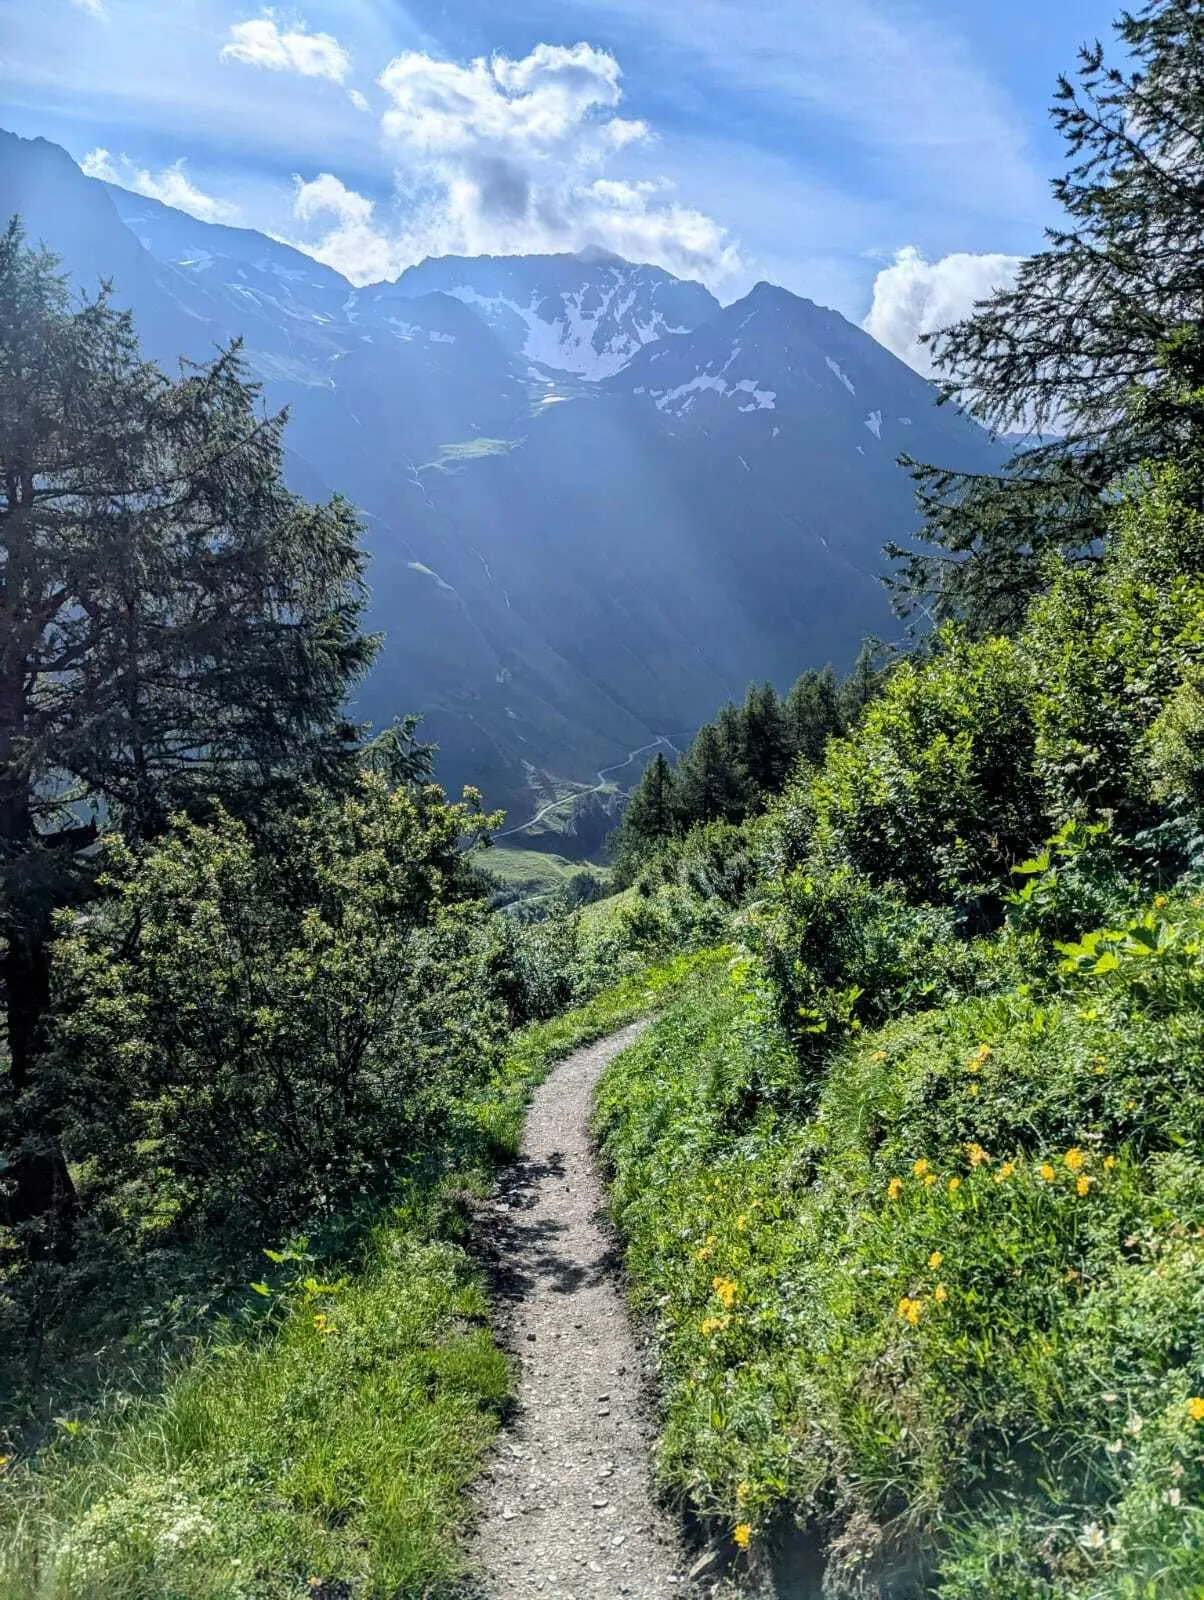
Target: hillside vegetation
<point>908,1171</point>
<point>914,1198</point>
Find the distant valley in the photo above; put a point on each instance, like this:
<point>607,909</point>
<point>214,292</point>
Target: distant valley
<point>598,502</point>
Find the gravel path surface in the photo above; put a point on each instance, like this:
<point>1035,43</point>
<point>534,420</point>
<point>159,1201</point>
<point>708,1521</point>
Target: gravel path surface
<point>566,1508</point>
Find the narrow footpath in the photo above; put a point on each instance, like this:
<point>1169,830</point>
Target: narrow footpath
<point>566,1509</point>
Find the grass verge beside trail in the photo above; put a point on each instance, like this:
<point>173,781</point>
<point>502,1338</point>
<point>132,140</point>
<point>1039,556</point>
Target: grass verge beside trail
<point>943,1304</point>
<point>324,1445</point>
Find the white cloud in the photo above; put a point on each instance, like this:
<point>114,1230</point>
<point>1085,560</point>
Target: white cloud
<point>172,185</point>
<point>915,296</point>
<point>94,8</point>
<point>263,43</point>
<point>350,242</point>
<point>507,156</point>
<point>358,100</point>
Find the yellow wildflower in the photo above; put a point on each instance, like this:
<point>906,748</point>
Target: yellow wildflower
<point>894,1188</point>
<point>712,1325</point>
<point>1109,1163</point>
<point>920,1167</point>
<point>954,1185</point>
<point>725,1289</point>
<point>976,1155</point>
<point>935,1259</point>
<point>742,1491</point>
<point>910,1310</point>
<point>1074,1158</point>
<point>929,1179</point>
<point>742,1534</point>
<point>972,1089</point>
<point>1083,1185</point>
<point>974,1065</point>
<point>878,1055</point>
<point>740,1223</point>
<point>1007,1170</point>
<point>940,1294</point>
<point>1195,1408</point>
<point>324,1325</point>
<point>1046,1171</point>
<point>1159,901</point>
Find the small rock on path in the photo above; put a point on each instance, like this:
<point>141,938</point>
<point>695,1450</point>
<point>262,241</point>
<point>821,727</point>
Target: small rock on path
<point>566,1508</point>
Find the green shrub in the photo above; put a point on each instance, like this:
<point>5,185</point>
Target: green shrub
<point>249,1039</point>
<point>950,1316</point>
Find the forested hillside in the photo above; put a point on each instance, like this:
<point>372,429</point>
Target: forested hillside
<point>906,1170</point>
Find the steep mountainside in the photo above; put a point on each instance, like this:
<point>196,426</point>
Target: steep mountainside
<point>597,502</point>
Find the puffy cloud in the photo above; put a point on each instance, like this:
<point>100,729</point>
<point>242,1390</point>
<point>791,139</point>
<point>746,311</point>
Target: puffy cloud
<point>506,156</point>
<point>172,185</point>
<point>262,42</point>
<point>915,296</point>
<point>350,241</point>
<point>536,104</point>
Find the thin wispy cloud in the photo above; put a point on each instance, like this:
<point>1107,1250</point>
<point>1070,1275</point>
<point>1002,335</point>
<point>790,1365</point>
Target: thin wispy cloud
<point>900,88</point>
<point>94,8</point>
<point>171,185</point>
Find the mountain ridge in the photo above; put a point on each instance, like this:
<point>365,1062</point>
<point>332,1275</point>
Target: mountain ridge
<point>564,567</point>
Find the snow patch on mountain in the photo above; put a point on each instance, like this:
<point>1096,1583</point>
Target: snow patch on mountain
<point>837,371</point>
<point>593,332</point>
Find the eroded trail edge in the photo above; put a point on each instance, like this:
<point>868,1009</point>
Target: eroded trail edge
<point>567,1507</point>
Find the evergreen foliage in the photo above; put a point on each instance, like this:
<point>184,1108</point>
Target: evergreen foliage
<point>1098,338</point>
<point>743,760</point>
<point>175,628</point>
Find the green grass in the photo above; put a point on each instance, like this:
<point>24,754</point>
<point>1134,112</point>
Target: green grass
<point>327,1433</point>
<point>335,1445</point>
<point>947,1311</point>
<point>533,871</point>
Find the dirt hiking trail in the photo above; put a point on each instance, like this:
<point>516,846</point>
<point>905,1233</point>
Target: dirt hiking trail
<point>566,1507</point>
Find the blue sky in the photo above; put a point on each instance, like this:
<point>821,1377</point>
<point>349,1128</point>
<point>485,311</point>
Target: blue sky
<point>887,157</point>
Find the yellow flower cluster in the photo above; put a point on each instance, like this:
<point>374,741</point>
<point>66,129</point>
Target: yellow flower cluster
<point>976,1155</point>
<point>742,1534</point>
<point>712,1325</point>
<point>726,1289</point>
<point>324,1325</point>
<point>894,1188</point>
<point>910,1310</point>
<point>1195,1408</point>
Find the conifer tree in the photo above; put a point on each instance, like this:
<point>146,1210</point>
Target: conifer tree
<point>175,626</point>
<point>811,714</point>
<point>863,682</point>
<point>709,787</point>
<point>766,744</point>
<point>1103,318</point>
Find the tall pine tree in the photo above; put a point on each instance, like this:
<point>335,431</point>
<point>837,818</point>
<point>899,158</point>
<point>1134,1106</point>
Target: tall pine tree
<point>1099,338</point>
<point>175,627</point>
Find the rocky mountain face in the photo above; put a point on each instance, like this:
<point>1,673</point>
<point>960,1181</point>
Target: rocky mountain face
<point>597,501</point>
<point>586,314</point>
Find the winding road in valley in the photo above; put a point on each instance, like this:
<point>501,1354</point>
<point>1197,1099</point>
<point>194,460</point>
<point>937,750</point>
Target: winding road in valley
<point>603,780</point>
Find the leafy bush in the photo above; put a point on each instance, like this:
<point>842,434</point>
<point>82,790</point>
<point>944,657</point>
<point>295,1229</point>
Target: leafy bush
<point>249,1038</point>
<point>953,1321</point>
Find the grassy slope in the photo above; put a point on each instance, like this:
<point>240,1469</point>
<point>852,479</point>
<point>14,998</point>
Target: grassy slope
<point>953,1321</point>
<point>329,1438</point>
